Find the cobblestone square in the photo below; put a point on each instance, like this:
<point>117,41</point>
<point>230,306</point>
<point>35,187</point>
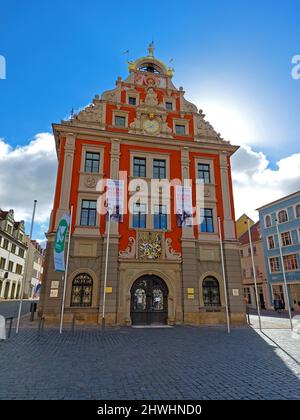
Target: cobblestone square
<point>159,363</point>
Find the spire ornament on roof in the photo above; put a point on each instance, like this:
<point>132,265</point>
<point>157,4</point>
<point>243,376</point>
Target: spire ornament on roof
<point>151,49</point>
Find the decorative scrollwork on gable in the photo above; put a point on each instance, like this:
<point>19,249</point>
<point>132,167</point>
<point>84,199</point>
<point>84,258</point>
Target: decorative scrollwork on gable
<point>130,251</point>
<point>171,254</point>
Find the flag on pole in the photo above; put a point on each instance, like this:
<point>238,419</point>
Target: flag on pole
<point>183,206</point>
<point>59,243</point>
<point>115,198</point>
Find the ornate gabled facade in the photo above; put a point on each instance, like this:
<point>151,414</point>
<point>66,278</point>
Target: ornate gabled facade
<point>158,269</point>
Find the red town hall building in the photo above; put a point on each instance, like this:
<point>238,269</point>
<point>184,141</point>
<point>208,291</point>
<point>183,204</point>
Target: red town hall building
<point>159,271</point>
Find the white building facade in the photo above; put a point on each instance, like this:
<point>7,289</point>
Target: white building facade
<point>13,249</point>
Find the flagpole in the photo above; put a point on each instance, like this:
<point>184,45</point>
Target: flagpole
<point>284,276</point>
<point>224,276</point>
<point>66,274</point>
<point>105,273</point>
<point>25,268</point>
<point>254,275</point>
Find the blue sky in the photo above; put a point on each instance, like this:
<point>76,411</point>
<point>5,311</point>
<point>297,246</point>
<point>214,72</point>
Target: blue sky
<point>233,59</point>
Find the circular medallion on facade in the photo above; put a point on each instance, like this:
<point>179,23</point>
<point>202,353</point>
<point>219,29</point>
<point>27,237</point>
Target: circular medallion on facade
<point>91,182</point>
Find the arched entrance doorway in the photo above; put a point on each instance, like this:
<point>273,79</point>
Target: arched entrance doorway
<point>149,301</point>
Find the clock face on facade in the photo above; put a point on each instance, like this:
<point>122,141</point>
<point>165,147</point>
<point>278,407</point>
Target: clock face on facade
<point>151,126</point>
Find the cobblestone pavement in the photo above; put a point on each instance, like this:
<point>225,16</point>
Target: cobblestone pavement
<point>160,363</point>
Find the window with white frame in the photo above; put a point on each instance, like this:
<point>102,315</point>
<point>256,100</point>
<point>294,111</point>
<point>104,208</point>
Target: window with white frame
<point>286,238</point>
<point>132,100</point>
<point>274,265</point>
<point>282,216</point>
<point>271,242</point>
<point>139,215</point>
<point>160,217</point>
<point>2,263</point>
<point>290,262</point>
<point>139,167</point>
<point>92,161</point>
<point>120,121</point>
<point>159,169</point>
<point>203,172</point>
<point>268,221</point>
<point>207,224</point>
<point>180,129</point>
<point>88,213</point>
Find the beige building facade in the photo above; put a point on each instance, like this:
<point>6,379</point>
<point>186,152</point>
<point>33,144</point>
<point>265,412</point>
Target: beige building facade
<point>259,266</point>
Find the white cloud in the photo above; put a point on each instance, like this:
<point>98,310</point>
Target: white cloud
<point>27,173</point>
<point>255,184</point>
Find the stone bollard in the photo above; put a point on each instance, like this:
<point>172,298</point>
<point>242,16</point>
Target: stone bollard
<point>2,328</point>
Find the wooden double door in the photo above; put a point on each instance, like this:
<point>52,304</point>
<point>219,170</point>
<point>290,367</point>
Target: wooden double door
<point>149,301</point>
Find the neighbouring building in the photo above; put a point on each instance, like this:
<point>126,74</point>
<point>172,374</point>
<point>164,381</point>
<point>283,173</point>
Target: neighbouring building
<point>35,269</point>
<point>13,250</point>
<point>284,213</point>
<point>242,224</point>
<point>160,270</point>
<point>260,268</point>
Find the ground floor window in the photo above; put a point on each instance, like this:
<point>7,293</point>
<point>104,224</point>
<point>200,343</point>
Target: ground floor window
<point>211,292</point>
<point>82,289</point>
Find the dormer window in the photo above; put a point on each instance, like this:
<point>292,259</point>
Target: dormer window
<point>180,129</point>
<point>131,100</point>
<point>150,68</point>
<point>120,121</point>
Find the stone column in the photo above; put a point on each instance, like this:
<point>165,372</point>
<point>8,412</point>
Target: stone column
<point>9,290</point>
<point>229,231</point>
<point>66,182</point>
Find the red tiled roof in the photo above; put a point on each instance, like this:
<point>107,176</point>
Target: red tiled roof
<point>255,234</point>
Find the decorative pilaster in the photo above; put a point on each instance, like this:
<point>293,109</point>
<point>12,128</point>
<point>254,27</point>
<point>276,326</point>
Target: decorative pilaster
<point>64,202</point>
<point>188,247</point>
<point>187,231</point>
<point>114,174</point>
<point>229,231</point>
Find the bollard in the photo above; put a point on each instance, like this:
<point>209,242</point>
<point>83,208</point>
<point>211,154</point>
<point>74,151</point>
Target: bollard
<point>73,324</point>
<point>41,325</point>
<point>2,328</point>
<point>10,325</point>
<point>33,307</point>
<point>248,314</point>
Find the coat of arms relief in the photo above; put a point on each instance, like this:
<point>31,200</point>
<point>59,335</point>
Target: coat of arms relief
<point>151,246</point>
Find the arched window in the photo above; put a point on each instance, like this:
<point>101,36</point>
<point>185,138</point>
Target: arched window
<point>282,216</point>
<point>268,221</point>
<point>82,290</point>
<point>211,292</point>
<point>298,211</point>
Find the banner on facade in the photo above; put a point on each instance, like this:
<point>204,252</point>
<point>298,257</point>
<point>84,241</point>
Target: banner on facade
<point>115,198</point>
<point>59,243</point>
<point>183,206</point>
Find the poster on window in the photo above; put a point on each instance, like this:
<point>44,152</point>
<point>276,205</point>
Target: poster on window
<point>183,206</point>
<point>115,198</point>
